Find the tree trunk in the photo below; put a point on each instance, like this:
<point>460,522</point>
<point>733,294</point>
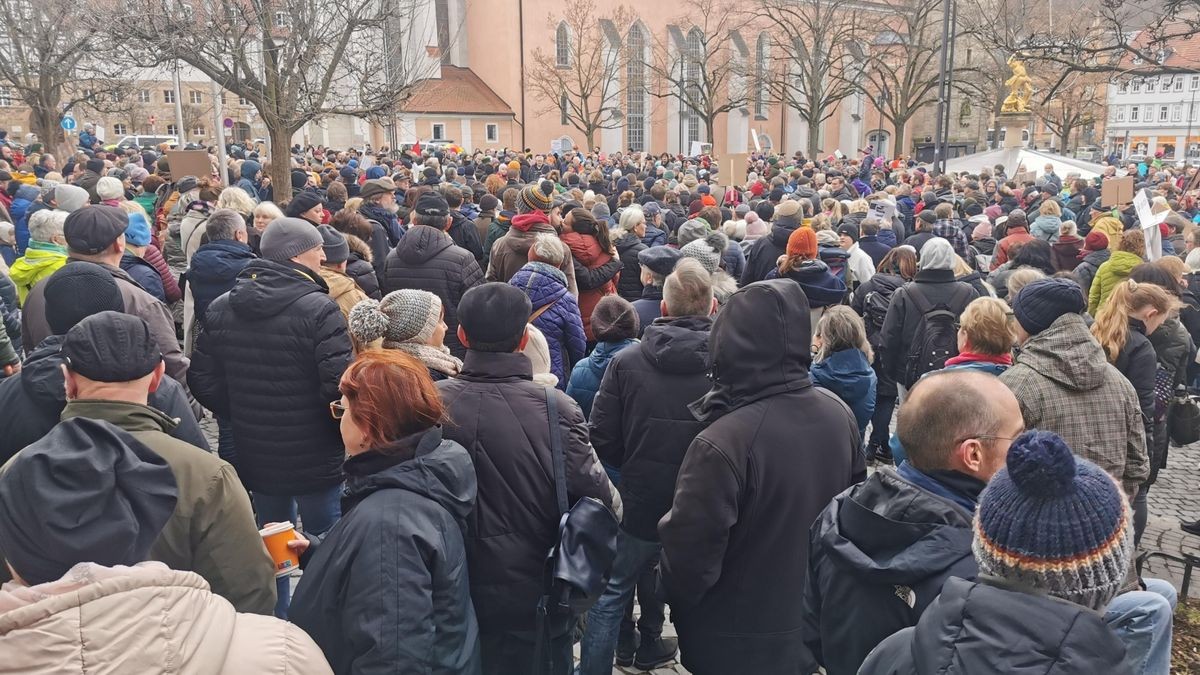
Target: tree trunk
<point>709,124</point>
<point>899,124</point>
<point>591,138</point>
<point>280,167</point>
<point>1063,138</point>
<point>44,122</point>
<point>814,136</point>
<point>997,106</point>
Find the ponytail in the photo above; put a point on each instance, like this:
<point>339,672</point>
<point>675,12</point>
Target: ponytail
<point>1111,327</point>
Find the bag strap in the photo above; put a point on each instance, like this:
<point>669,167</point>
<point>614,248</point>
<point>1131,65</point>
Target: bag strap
<point>541,310</point>
<point>556,450</point>
<point>918,296</point>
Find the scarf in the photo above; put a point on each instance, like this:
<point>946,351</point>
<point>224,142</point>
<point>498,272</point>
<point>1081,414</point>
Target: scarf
<point>50,246</point>
<point>436,358</point>
<point>972,357</point>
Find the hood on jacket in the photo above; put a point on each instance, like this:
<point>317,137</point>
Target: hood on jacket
<point>41,373</point>
<point>1122,262</point>
<point>886,530</point>
<point>359,247</point>
<point>1066,353</point>
<point>821,286</point>
<point>762,346</point>
<point>604,352</point>
<point>542,283</point>
<point>422,243</point>
<point>846,373</point>
<point>249,169</point>
<point>266,288</point>
<point>219,261</point>
<point>782,228</point>
<point>524,222</point>
<point>30,267</point>
<point>27,192</point>
<point>678,345</point>
<point>441,470</point>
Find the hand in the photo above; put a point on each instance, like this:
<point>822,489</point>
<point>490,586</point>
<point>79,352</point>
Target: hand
<point>12,369</point>
<point>298,545</point>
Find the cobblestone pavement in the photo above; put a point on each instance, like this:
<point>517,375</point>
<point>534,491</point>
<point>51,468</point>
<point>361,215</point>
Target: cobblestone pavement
<point>1173,498</point>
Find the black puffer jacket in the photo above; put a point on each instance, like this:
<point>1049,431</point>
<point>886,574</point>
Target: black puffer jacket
<point>386,589</point>
<point>629,285</point>
<point>640,421</point>
<point>465,234</point>
<point>270,358</point>
<point>214,270</point>
<point>499,415</point>
<point>939,287</point>
<point>33,399</point>
<point>880,554</point>
<point>776,451</point>
<point>764,254</point>
<point>981,627</point>
<point>1085,271</point>
<point>1138,362</point>
<point>426,259</point>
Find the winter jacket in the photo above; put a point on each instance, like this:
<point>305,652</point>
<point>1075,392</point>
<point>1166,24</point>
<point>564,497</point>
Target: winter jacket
<point>144,274</point>
<point>986,627</point>
<point>641,423</point>
<point>499,415</point>
<point>386,588</point>
<point>903,317</point>
<point>764,255</point>
<point>881,284</point>
<point>871,245</point>
<point>146,619</point>
<point>984,246</point>
<point>212,530</point>
<point>1045,228</point>
<point>561,323</point>
<point>10,317</point>
<point>848,374</point>
<point>462,231</point>
<point>655,236</point>
<point>269,359</point>
<point>587,374</point>
<point>511,251</point>
<point>387,224</point>
<point>33,399</point>
<point>426,259</point>
<point>629,285</point>
<point>917,240</point>
<point>25,197</point>
<point>733,261</point>
<point>214,270</point>
<point>1064,253</point>
<point>1175,351</point>
<point>343,290</point>
<point>775,451</point>
<point>35,265</point>
<point>1112,228</point>
<point>595,271</point>
<point>138,302</point>
<point>1137,362</point>
<point>1115,270</point>
<point>648,307</point>
<point>1061,379</point>
<point>1004,247</point>
<point>880,554</point>
<point>822,287</point>
<point>483,223</point>
<point>361,267</point>
<point>1085,272</point>
<point>497,229</point>
<point>250,169</point>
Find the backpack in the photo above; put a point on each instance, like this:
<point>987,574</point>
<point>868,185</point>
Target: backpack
<point>875,307</point>
<point>936,336</point>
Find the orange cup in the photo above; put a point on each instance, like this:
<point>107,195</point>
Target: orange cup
<point>276,537</point>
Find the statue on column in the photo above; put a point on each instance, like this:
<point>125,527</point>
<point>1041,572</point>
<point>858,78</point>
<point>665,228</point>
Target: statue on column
<point>1020,88</point>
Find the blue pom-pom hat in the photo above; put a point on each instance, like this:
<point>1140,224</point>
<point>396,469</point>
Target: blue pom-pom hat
<point>1055,522</point>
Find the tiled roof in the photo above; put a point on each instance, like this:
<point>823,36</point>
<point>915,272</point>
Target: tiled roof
<point>458,91</point>
<point>1181,53</point>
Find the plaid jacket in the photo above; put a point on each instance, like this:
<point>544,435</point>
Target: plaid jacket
<point>951,230</point>
<point>1065,385</point>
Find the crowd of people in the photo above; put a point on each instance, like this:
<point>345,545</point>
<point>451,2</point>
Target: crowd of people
<point>447,369</point>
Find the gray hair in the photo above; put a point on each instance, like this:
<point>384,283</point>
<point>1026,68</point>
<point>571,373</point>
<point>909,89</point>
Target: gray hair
<point>236,198</point>
<point>1020,278</point>
<point>688,291</point>
<point>269,208</point>
<point>44,225</point>
<point>224,224</point>
<point>549,249</point>
<point>631,217</point>
<point>841,328</point>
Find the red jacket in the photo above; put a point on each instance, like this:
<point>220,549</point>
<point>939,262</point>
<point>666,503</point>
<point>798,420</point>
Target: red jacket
<point>1016,235</point>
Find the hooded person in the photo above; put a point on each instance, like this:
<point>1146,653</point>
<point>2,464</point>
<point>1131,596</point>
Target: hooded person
<point>764,254</point>
<point>80,511</point>
<point>801,263</point>
<point>410,321</point>
<point>1129,253</point>
<point>510,252</point>
<point>1052,538</point>
<point>615,323</point>
<point>250,179</point>
<point>731,573</point>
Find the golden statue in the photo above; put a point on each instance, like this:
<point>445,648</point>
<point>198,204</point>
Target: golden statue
<point>1020,88</point>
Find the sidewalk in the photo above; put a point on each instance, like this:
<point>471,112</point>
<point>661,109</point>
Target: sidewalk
<point>1175,496</point>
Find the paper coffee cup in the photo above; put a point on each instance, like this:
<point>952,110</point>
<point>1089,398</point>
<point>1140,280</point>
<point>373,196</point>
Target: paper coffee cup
<point>276,538</point>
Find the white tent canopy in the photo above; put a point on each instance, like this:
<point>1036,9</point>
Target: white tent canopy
<point>1032,160</point>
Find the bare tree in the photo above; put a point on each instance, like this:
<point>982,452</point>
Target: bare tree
<point>1079,96</point>
<point>701,62</point>
<point>53,57</point>
<point>817,40</point>
<point>584,82</point>
<point>296,60</point>
<point>902,65</point>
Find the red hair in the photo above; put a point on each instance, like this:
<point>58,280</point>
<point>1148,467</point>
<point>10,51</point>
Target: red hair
<point>391,396</point>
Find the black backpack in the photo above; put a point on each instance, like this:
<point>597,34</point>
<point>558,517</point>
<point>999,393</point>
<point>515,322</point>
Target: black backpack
<point>875,307</point>
<point>936,337</point>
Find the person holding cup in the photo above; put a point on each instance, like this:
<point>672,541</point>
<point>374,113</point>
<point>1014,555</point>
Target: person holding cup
<point>386,588</point>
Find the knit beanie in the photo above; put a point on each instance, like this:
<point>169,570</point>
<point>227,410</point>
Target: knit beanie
<point>137,233</point>
<point>1193,260</point>
<point>110,188</point>
<point>614,319</point>
<point>981,231</point>
<point>1095,241</point>
<point>286,238</point>
<point>534,198</point>
<point>707,251</point>
<point>402,316</point>
<point>70,198</point>
<point>828,238</point>
<point>488,203</point>
<point>937,254</point>
<point>1040,303</point>
<point>1055,522</point>
<point>302,202</point>
<point>337,249</point>
<point>802,242</point>
<point>600,211</point>
<point>77,291</point>
<point>692,230</point>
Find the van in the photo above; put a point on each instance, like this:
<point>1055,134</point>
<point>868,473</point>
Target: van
<point>142,142</point>
<point>1089,153</point>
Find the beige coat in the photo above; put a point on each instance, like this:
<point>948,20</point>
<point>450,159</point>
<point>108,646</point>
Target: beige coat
<point>343,290</point>
<point>143,620</point>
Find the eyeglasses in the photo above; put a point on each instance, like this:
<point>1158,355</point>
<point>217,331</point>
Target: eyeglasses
<point>989,437</point>
<point>337,410</point>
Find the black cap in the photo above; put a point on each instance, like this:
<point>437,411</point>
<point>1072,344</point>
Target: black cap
<point>111,347</point>
<point>432,204</point>
<point>93,229</point>
<point>77,291</point>
<point>494,316</point>
<point>303,201</point>
<point>849,231</point>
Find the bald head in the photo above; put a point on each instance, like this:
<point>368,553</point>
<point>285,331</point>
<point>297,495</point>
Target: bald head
<point>959,420</point>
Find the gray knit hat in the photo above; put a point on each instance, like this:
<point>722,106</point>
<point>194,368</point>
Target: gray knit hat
<point>402,316</point>
<point>337,249</point>
<point>706,251</point>
<point>286,238</point>
<point>692,230</point>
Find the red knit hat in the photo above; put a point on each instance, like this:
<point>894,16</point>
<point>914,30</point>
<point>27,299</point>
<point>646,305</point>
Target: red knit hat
<point>803,243</point>
<point>1095,241</point>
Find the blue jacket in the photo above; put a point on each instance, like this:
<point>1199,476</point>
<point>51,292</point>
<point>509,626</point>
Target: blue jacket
<point>144,274</point>
<point>250,169</point>
<point>734,259</point>
<point>214,270</point>
<point>561,323</point>
<point>877,246</point>
<point>24,198</point>
<point>587,374</point>
<point>822,287</point>
<point>849,375</point>
<point>654,236</point>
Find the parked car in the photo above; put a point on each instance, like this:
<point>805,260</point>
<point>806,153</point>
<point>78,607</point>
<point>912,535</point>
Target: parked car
<point>143,142</point>
<point>1089,153</point>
